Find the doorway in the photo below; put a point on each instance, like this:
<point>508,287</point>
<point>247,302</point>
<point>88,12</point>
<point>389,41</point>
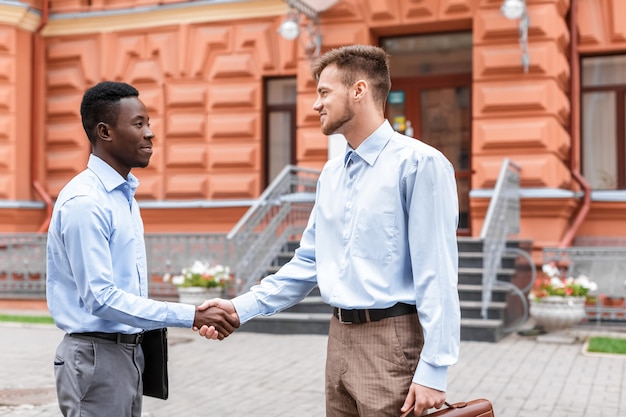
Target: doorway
<point>430,99</point>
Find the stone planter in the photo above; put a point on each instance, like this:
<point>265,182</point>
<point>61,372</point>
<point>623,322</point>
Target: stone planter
<point>197,295</point>
<point>557,313</point>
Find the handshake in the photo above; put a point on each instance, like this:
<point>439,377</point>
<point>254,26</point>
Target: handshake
<point>216,319</point>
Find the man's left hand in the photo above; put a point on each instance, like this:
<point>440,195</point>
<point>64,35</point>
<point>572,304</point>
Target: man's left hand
<point>422,398</point>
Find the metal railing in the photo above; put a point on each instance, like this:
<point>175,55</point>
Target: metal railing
<point>606,266</point>
<point>501,223</point>
<point>169,253</point>
<point>23,260</point>
<point>23,264</point>
<point>279,215</point>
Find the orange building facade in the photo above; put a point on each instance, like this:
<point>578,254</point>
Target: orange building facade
<point>208,72</point>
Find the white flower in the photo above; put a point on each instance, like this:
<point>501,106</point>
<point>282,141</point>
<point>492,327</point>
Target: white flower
<point>553,283</point>
<point>585,282</point>
<point>556,282</point>
<point>198,267</point>
<point>551,270</point>
<point>201,274</point>
<point>178,279</point>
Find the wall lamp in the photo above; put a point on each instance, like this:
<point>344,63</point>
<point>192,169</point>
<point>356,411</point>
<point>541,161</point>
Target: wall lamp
<point>516,10</point>
<point>290,27</point>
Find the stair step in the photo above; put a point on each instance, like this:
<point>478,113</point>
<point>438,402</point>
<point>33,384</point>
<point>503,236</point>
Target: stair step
<point>311,304</point>
<point>469,244</point>
<point>283,257</point>
<point>470,287</point>
<point>475,260</point>
<point>289,323</point>
<point>312,315</point>
<point>469,292</point>
<point>473,310</point>
<point>481,322</point>
<point>474,276</point>
<point>475,270</point>
<point>499,305</point>
<point>482,330</point>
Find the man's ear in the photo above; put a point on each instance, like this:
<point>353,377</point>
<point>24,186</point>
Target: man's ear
<point>102,130</point>
<point>360,88</point>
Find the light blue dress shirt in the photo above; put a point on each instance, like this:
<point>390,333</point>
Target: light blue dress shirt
<point>382,231</point>
<point>97,277</point>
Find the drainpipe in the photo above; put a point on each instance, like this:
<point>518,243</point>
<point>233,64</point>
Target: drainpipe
<point>37,93</point>
<point>585,205</point>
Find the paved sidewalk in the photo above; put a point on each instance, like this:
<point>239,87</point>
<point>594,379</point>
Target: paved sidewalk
<point>282,375</point>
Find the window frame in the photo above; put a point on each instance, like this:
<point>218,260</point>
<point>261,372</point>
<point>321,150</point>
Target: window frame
<point>620,96</point>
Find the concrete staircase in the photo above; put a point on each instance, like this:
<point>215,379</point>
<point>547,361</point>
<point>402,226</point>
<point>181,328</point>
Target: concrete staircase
<point>503,310</point>
<point>311,316</point>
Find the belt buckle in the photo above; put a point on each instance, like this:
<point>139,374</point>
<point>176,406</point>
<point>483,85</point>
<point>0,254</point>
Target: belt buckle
<point>341,317</point>
<point>138,339</point>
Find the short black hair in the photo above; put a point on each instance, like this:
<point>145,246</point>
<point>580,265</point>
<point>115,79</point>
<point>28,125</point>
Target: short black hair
<point>101,104</point>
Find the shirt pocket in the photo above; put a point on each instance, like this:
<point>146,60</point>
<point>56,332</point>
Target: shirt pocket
<point>374,235</point>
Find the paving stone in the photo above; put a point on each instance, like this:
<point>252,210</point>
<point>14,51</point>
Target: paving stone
<point>270,375</point>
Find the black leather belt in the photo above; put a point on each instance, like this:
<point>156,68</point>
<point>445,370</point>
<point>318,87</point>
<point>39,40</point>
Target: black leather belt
<point>372,314</point>
<point>131,339</point>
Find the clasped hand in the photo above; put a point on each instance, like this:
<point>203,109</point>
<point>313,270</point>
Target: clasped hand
<point>216,319</point>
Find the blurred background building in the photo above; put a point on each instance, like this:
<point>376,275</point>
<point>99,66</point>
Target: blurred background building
<point>230,96</point>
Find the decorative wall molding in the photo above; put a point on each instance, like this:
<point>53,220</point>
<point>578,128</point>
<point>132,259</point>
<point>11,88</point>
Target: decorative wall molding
<point>160,16</point>
<point>20,15</point>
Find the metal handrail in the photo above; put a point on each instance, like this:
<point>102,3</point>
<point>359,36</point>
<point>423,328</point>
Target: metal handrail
<point>520,292</point>
<point>278,183</point>
<point>279,215</point>
<point>501,222</point>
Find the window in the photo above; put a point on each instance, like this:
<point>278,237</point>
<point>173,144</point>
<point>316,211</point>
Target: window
<point>603,112</point>
<point>280,122</point>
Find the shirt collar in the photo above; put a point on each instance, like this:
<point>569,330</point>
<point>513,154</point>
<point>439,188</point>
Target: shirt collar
<point>372,146</point>
<point>110,178</point>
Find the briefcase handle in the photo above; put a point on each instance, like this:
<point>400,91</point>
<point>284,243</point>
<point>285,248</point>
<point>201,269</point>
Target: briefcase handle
<point>447,404</point>
<point>455,406</point>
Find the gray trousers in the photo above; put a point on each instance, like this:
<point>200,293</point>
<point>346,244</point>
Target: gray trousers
<point>98,378</point>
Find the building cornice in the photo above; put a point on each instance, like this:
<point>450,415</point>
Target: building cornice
<point>159,16</point>
<point>20,15</point>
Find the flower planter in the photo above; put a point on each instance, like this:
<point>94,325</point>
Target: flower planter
<point>197,295</point>
<point>557,313</point>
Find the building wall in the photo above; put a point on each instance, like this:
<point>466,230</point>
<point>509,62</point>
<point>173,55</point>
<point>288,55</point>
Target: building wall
<point>200,72</point>
<point>602,30</point>
<point>200,69</point>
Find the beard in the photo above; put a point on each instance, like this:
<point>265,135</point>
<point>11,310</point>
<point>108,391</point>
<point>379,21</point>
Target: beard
<point>335,126</point>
